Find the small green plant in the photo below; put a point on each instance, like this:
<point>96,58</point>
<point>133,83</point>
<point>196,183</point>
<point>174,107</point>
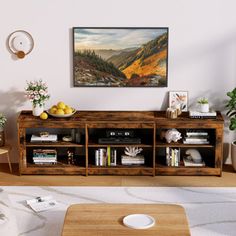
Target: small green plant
<point>202,101</point>
<point>231,106</point>
<point>3,120</point>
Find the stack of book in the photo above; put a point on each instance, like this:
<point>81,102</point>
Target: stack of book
<point>202,115</point>
<point>188,162</point>
<point>129,160</point>
<point>106,157</point>
<point>196,137</point>
<point>44,156</point>
<point>172,156</point>
<point>48,138</point>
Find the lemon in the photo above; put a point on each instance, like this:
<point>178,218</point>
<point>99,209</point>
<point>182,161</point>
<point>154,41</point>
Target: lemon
<point>53,110</point>
<point>54,106</point>
<point>61,105</point>
<point>60,112</point>
<point>43,115</point>
<point>68,111</point>
<point>67,106</point>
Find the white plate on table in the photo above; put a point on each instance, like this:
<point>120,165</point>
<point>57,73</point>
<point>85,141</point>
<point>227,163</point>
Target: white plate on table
<point>139,221</point>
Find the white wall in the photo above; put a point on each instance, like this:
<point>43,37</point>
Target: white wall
<point>202,52</point>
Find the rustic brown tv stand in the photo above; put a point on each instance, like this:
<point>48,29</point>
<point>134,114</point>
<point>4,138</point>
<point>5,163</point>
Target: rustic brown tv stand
<point>90,125</point>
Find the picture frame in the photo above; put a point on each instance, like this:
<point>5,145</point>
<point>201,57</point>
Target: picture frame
<point>120,56</point>
<point>178,99</point>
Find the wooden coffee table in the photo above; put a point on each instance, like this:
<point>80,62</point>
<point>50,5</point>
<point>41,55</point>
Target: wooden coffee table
<point>107,219</point>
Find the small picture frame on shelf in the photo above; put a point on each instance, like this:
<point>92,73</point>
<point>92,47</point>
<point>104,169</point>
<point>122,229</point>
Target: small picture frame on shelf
<point>178,99</point>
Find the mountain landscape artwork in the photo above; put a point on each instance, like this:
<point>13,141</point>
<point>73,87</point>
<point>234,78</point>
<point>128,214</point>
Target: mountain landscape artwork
<point>120,57</point>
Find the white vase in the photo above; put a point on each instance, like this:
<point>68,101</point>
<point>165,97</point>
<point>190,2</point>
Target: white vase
<point>204,107</point>
<point>233,154</point>
<point>37,110</point>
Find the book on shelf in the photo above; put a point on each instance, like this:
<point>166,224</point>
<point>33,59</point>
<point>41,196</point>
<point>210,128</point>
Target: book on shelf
<point>188,162</point>
<point>45,161</point>
<point>196,142</point>
<point>193,133</point>
<point>44,152</point>
<point>172,156</point>
<point>196,137</point>
<point>113,157</point>
<point>106,157</point>
<point>44,156</point>
<point>38,138</point>
<point>206,115</point>
<point>129,160</point>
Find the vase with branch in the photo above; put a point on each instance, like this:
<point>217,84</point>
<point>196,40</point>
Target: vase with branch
<point>37,93</point>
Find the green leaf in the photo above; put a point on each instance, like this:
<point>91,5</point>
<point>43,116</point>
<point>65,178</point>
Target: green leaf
<point>231,108</point>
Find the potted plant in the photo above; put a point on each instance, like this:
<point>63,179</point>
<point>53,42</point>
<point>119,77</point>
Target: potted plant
<point>3,120</point>
<point>37,92</point>
<point>231,113</point>
<point>204,105</point>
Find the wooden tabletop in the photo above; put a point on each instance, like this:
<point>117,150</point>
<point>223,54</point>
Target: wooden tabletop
<point>119,116</point>
<point>107,219</point>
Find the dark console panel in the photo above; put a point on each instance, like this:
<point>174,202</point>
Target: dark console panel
<point>119,136</point>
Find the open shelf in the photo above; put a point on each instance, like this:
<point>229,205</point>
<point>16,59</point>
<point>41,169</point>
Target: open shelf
<point>179,144</point>
<point>53,144</point>
<point>119,145</point>
<point>120,167</point>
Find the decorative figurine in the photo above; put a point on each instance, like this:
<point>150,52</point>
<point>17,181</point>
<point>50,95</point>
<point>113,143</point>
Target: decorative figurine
<point>171,113</point>
<point>172,135</point>
<point>70,157</point>
<point>132,151</point>
<point>193,155</point>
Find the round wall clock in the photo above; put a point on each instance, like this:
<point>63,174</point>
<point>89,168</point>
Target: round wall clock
<point>20,43</point>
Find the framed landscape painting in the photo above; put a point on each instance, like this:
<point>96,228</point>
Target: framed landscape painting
<point>120,57</point>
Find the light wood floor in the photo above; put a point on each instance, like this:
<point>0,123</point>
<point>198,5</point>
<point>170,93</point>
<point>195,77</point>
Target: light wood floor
<point>228,179</point>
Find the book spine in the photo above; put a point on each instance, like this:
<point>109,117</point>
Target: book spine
<point>203,117</point>
<point>195,139</point>
<point>168,156</point>
<point>172,157</point>
<point>97,161</point>
<point>176,157</point>
<point>113,157</point>
<point>108,155</point>
<point>196,133</point>
<point>45,161</point>
<point>196,142</point>
<point>101,157</point>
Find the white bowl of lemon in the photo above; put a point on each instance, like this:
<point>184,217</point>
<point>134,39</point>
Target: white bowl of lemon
<point>61,110</point>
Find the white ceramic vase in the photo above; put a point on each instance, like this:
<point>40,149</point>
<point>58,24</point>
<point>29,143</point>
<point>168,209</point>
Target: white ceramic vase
<point>233,154</point>
<point>204,107</point>
<point>37,110</point>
